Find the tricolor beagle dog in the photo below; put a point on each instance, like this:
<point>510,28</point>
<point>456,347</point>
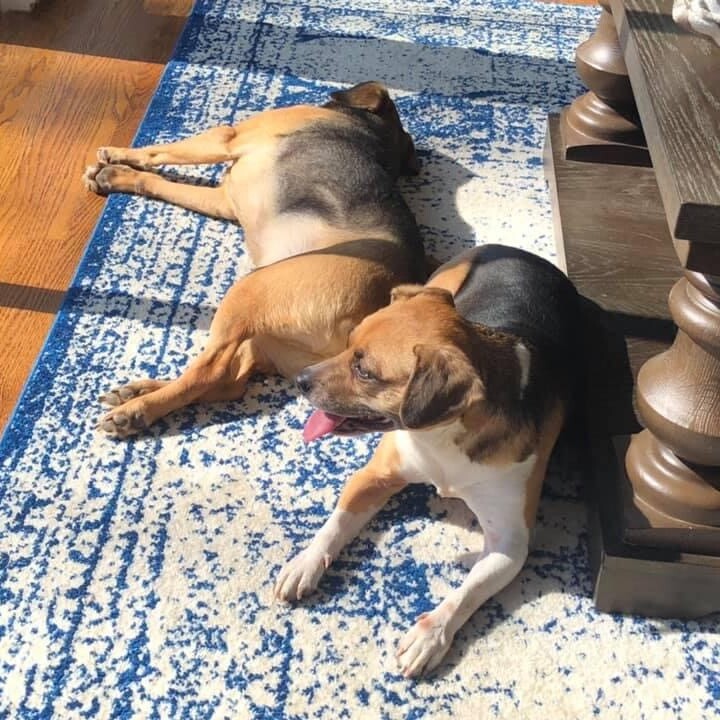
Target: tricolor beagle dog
<point>470,378</point>
<point>324,223</point>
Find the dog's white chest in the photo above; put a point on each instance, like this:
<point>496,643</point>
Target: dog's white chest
<point>492,493</point>
<point>451,474</point>
<point>432,457</point>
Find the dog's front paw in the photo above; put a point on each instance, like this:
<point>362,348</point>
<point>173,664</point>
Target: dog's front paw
<point>425,645</point>
<point>301,575</point>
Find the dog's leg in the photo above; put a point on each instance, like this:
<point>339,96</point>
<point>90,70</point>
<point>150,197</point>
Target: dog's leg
<point>232,389</point>
<point>113,174</point>
<point>211,146</point>
<point>364,494</point>
<point>213,201</point>
<point>272,319</point>
<point>506,517</point>
<point>220,372</point>
<point>425,645</point>
<point>120,395</point>
<point>219,144</point>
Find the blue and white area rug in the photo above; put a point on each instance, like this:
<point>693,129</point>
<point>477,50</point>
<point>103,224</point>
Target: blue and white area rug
<point>136,576</point>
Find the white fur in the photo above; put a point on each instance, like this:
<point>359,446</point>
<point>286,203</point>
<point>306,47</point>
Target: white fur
<point>524,358</point>
<point>496,495</point>
<point>302,574</point>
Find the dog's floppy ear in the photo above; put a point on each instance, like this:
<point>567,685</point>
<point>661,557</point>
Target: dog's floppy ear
<point>405,292</point>
<point>372,96</point>
<point>443,385</point>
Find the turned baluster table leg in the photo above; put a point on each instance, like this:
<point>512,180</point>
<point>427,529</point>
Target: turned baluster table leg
<point>603,124</point>
<point>653,497</point>
<point>674,464</point>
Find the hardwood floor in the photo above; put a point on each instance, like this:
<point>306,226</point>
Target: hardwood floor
<point>74,74</point>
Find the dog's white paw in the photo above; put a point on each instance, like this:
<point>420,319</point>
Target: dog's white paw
<point>301,575</point>
<point>425,645</point>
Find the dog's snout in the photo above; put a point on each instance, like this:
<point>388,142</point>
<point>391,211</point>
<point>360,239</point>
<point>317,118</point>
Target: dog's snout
<point>304,381</point>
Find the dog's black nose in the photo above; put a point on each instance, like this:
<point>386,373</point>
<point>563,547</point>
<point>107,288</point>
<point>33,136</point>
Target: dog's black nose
<point>304,381</point>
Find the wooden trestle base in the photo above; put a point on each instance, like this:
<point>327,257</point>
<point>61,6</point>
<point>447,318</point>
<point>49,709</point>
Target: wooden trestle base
<point>613,234</point>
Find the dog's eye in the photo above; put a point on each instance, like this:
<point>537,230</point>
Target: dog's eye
<point>361,372</point>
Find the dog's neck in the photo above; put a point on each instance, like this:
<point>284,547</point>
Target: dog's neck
<point>494,356</point>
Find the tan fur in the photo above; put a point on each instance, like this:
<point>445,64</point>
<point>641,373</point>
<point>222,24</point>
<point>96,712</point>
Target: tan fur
<point>428,319</point>
<point>387,354</point>
<point>452,278</point>
<point>300,303</point>
<point>406,292</point>
<point>494,441</point>
<point>549,433</point>
<point>373,485</point>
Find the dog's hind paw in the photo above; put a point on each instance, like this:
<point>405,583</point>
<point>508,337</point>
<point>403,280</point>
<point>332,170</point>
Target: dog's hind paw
<point>123,156</point>
<point>301,575</point>
<point>89,178</point>
<point>104,179</point>
<point>123,421</point>
<point>425,644</point>
<point>106,155</point>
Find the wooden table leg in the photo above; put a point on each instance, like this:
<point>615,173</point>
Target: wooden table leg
<point>674,464</point>
<point>603,124</point>
<point>654,496</point>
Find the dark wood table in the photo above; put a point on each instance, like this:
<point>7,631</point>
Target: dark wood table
<point>634,171</point>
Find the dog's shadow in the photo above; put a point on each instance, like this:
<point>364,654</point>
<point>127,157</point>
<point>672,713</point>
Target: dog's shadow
<point>433,199</point>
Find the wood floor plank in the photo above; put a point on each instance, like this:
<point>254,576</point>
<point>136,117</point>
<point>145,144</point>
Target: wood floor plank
<point>73,76</point>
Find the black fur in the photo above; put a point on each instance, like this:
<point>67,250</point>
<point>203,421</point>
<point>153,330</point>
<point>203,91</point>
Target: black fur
<point>516,292</point>
<point>346,174</point>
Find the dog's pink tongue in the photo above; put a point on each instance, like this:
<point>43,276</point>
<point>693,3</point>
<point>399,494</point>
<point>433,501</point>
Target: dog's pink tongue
<point>319,424</point>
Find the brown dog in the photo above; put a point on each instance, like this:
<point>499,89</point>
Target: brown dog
<point>470,377</point>
<point>314,189</point>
